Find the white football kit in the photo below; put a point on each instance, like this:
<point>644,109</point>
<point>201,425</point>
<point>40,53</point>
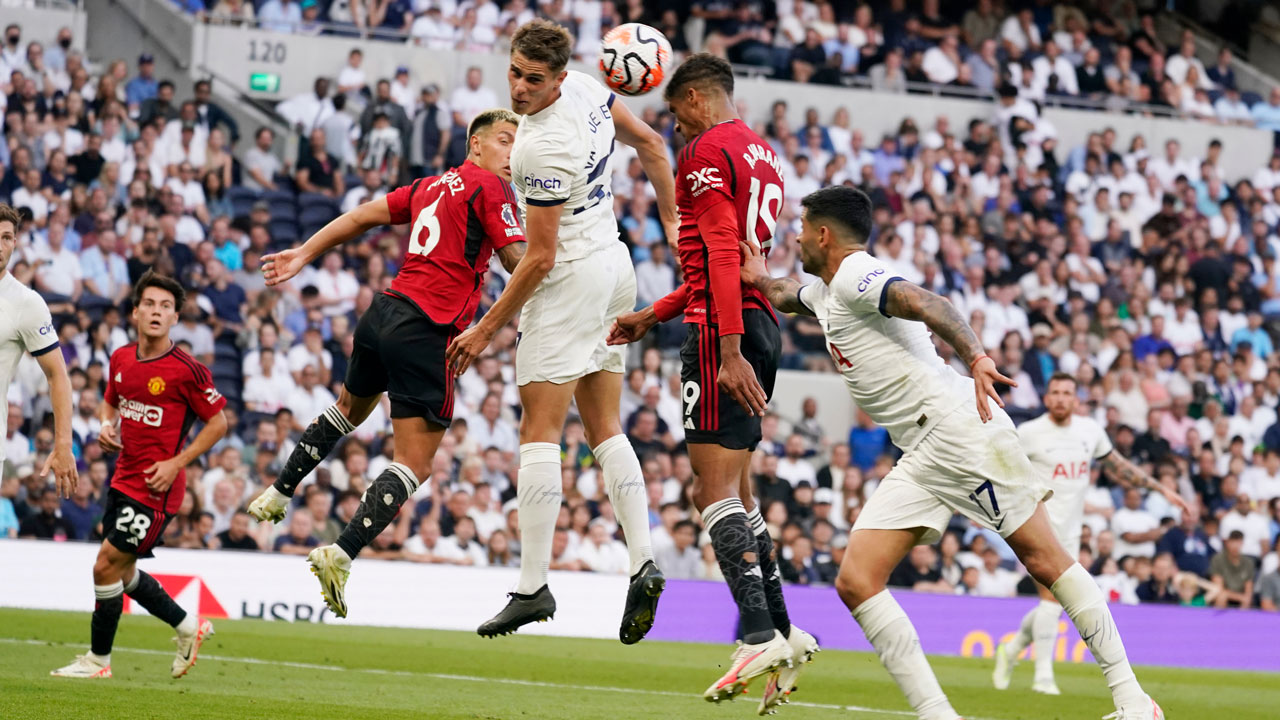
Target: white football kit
<point>25,327</point>
<point>1062,457</point>
<point>562,157</point>
<point>952,461</point>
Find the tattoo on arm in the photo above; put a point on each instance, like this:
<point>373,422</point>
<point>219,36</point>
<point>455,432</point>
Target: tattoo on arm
<point>784,294</point>
<point>510,255</point>
<point>1123,471</point>
<point>911,302</point>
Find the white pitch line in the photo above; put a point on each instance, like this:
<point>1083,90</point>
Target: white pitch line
<point>461,678</point>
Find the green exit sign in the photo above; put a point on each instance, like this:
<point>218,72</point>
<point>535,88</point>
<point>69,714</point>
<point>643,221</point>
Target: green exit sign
<point>264,82</point>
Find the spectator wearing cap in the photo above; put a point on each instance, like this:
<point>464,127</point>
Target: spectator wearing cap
<point>281,16</point>
<point>144,86</point>
<point>429,133</point>
<point>402,90</point>
<point>310,22</point>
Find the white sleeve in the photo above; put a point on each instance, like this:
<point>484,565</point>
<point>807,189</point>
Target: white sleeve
<point>548,171</point>
<point>595,90</point>
<point>812,295</point>
<point>861,287</point>
<point>36,329</point>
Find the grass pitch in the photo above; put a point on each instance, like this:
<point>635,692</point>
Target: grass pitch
<point>283,671</point>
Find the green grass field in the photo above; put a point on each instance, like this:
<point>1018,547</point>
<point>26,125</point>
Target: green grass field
<point>257,669</point>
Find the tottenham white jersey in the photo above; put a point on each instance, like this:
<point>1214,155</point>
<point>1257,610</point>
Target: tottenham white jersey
<point>889,364</point>
<point>1062,456</point>
<point>25,327</point>
<point>562,156</point>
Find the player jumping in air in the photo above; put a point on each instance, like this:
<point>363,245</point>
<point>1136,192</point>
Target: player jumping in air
<point>575,279</point>
<point>729,190</point>
<point>960,456</point>
<point>459,220</point>
<point>1061,446</point>
<point>156,392</point>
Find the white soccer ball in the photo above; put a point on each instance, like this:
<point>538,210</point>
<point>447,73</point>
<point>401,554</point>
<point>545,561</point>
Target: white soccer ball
<point>634,59</point>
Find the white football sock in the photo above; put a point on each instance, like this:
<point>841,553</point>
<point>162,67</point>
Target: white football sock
<point>1024,637</point>
<point>1045,632</point>
<point>189,625</point>
<point>1088,610</point>
<point>896,642</point>
<point>539,495</point>
<point>625,484</point>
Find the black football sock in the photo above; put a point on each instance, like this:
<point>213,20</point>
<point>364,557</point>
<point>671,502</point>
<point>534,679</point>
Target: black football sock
<point>106,617</point>
<point>147,592</point>
<point>318,440</point>
<point>772,578</point>
<point>378,507</point>
<point>736,551</point>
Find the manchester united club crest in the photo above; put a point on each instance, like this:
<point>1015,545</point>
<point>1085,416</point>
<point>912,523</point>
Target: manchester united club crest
<point>156,385</point>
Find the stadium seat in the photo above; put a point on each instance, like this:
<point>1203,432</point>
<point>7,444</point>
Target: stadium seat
<point>283,232</point>
<point>316,215</point>
<point>1250,98</point>
<point>307,200</point>
<point>285,183</point>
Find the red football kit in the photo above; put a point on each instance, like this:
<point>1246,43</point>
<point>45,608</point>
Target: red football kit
<point>158,401</point>
<point>729,189</point>
<point>459,219</point>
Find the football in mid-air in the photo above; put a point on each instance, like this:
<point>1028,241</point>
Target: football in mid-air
<point>634,59</point>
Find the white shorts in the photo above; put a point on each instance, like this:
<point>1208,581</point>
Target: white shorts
<point>962,466</point>
<point>564,325</point>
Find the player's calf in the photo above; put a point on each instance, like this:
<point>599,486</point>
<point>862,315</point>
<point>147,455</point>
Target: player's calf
<point>317,441</point>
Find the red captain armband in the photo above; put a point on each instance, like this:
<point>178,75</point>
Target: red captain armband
<point>975,361</point>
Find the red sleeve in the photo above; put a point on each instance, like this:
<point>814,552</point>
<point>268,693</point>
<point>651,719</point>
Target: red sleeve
<point>399,201</point>
<point>201,395</point>
<point>112,396</point>
<point>672,304</point>
<point>718,225</point>
<point>498,214</point>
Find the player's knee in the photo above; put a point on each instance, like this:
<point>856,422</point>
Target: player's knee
<point>104,571</point>
<point>855,587</point>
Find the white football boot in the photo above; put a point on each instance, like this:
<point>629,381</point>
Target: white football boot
<point>1149,710</point>
<point>85,666</point>
<point>332,566</point>
<point>1003,674</point>
<point>783,680</point>
<point>271,505</point>
<point>747,663</point>
<point>189,647</point>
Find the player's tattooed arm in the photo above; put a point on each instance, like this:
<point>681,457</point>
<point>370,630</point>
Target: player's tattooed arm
<point>911,302</point>
<point>510,255</point>
<point>783,293</point>
<point>1122,470</point>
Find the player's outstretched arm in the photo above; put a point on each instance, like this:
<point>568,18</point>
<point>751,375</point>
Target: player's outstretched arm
<point>630,327</point>
<point>783,293</point>
<point>61,460</point>
<point>911,302</point>
<point>1122,470</point>
<point>542,225</point>
<point>279,267</point>
<point>652,151</point>
<point>160,475</point>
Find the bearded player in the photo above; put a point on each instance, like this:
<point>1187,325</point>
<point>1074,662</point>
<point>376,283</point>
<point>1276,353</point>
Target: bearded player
<point>156,392</point>
<point>1062,446</point>
<point>460,219</point>
<point>729,191</point>
<point>575,279</point>
<point>960,454</point>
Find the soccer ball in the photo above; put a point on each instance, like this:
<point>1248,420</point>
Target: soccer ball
<point>634,59</point>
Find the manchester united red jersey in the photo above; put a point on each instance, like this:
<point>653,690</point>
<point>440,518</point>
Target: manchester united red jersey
<point>459,220</point>
<point>158,401</point>
<point>731,160</point>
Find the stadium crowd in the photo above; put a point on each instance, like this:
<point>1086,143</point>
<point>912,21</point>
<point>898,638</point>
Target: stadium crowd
<point>1143,272</point>
<point>1104,53</point>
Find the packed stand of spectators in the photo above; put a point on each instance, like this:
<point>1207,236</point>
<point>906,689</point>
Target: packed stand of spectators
<point>1102,53</point>
<point>1146,273</point>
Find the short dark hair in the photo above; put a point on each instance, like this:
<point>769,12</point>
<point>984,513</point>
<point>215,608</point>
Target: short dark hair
<point>702,70</point>
<point>153,279</point>
<point>489,118</point>
<point>545,42</point>
<point>847,207</point>
<point>10,214</point>
<point>1064,376</point>
<point>164,84</point>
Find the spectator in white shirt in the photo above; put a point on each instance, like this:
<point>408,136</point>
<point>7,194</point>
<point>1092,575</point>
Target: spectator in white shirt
<point>1267,178</point>
<point>402,90</point>
<point>1230,109</point>
<point>464,539</point>
<point>372,188</point>
<point>601,553</point>
<point>1168,168</point>
<point>261,164</point>
<point>58,271</point>
<point>793,467</point>
<point>269,389</point>
<point>310,398</point>
<point>1053,63</point>
<point>31,197</point>
<point>431,30</point>
<point>993,580</point>
<point>490,430</point>
<point>186,186</point>
<point>426,546</point>
<point>1019,33</point>
<point>654,277</point>
<point>308,111</point>
<point>310,353</point>
<point>1136,530</point>
<point>338,286</point>
<point>942,61</point>
<point>473,98</point>
<point>1176,67</point>
<point>351,78</point>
